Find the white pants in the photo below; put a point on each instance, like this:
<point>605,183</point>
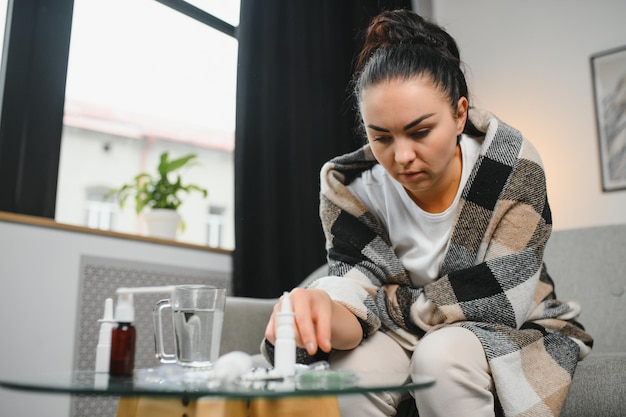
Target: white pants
<point>452,355</point>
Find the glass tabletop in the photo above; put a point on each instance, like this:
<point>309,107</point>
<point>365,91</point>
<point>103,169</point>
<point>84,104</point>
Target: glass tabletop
<point>164,383</point>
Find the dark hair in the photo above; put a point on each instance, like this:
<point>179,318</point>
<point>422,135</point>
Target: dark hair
<point>400,44</point>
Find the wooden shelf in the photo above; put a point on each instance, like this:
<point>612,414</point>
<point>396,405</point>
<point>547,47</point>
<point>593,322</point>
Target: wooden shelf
<point>49,223</point>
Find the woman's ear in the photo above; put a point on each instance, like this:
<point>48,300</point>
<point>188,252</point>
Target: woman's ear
<point>461,114</point>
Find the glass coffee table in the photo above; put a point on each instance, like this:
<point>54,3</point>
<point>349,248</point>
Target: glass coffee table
<point>156,392</point>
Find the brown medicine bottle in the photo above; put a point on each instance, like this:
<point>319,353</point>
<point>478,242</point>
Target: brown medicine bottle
<point>123,337</point>
<point>123,350</point>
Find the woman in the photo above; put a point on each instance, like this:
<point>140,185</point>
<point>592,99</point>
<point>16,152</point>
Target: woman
<point>435,232</point>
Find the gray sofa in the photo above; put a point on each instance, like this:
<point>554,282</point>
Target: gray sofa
<point>587,264</point>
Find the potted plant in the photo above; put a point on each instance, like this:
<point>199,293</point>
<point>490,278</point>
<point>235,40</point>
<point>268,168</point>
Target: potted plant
<point>158,196</point>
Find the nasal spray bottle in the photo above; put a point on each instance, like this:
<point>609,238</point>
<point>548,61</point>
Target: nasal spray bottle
<point>285,348</point>
<point>103,350</point>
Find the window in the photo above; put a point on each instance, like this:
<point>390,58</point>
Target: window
<point>144,78</point>
<point>100,211</point>
<point>226,10</point>
<point>215,226</point>
<point>3,21</point>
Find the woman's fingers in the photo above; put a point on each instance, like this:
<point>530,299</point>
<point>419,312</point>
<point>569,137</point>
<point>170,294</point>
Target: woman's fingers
<point>303,306</point>
<point>323,325</point>
<point>313,319</point>
<point>312,322</point>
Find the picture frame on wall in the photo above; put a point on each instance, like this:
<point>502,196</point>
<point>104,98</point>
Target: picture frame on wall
<point>608,69</point>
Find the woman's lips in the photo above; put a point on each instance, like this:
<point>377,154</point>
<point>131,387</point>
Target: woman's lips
<point>410,176</point>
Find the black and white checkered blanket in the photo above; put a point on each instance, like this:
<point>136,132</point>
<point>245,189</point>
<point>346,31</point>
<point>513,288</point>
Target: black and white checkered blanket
<point>492,281</point>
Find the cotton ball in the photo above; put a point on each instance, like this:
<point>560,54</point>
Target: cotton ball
<point>232,365</point>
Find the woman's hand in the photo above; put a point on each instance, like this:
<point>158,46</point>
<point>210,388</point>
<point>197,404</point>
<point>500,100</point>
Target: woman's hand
<point>320,322</point>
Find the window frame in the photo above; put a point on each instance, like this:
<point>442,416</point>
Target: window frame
<point>32,89</point>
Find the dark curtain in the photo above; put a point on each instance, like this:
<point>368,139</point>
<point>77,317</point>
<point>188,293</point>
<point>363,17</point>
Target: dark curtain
<point>293,114</point>
<point>32,95</point>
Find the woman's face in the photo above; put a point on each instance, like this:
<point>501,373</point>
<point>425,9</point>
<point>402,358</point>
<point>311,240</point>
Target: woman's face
<point>412,130</point>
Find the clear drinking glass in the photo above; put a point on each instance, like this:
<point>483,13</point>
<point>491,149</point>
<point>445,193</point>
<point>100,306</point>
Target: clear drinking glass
<point>197,313</point>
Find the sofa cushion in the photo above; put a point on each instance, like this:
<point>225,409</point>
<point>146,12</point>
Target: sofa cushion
<point>588,265</point>
<point>598,387</point>
<point>245,320</point>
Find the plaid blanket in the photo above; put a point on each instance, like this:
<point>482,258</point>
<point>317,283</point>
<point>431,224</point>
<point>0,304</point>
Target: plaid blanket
<point>492,281</point>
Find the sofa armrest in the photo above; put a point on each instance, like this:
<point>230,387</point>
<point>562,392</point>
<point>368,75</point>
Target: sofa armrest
<point>245,319</point>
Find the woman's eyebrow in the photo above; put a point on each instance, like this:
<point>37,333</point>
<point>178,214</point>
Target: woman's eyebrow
<point>380,129</point>
<point>418,121</point>
<point>407,127</point>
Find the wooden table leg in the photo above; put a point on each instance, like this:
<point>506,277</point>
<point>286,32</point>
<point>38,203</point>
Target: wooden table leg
<point>127,407</point>
<point>295,407</point>
<point>155,407</point>
<point>174,407</point>
<point>219,407</point>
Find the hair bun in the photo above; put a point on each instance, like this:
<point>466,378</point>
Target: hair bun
<point>401,27</point>
<point>430,40</point>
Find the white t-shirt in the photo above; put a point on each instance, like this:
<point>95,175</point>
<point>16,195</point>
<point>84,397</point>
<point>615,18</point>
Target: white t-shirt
<point>419,239</point>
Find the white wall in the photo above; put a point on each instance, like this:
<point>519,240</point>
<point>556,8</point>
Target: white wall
<point>529,63</point>
<point>39,282</point>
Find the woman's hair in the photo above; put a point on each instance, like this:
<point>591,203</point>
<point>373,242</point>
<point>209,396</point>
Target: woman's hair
<point>400,44</point>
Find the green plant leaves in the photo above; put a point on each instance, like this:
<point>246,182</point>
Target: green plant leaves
<point>158,192</point>
<point>165,166</point>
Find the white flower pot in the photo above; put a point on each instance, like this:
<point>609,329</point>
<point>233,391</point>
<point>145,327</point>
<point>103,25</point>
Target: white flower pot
<point>162,223</point>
